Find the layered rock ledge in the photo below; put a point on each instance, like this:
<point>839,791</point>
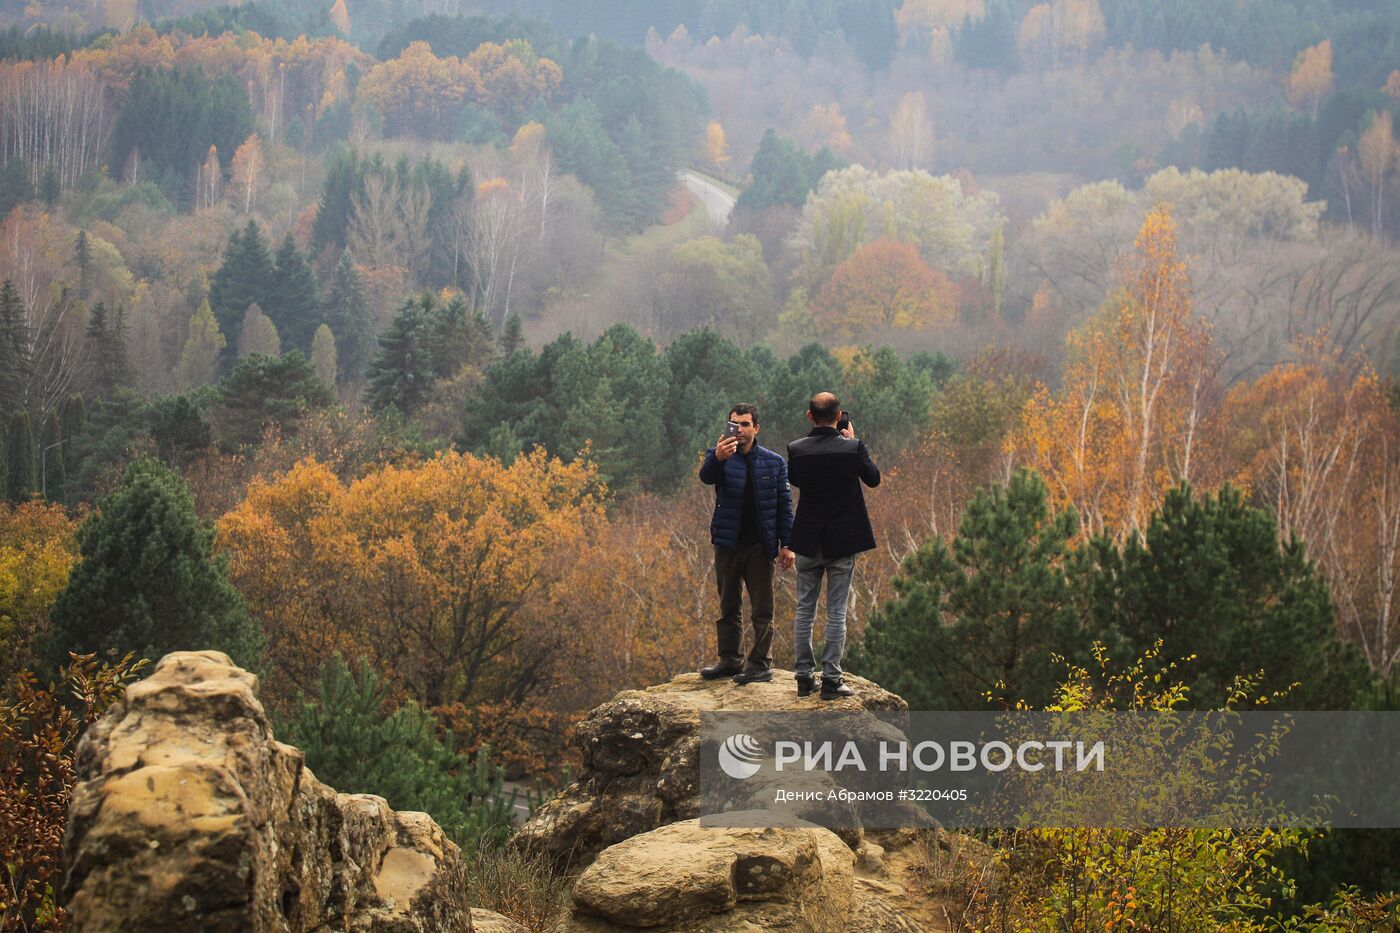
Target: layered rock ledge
<point>187,814</point>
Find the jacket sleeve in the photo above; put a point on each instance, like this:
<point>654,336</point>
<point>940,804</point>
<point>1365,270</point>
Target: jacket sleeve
<point>869,472</point>
<point>784,506</point>
<point>793,470</point>
<point>712,470</point>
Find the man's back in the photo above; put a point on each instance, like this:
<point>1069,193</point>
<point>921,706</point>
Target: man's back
<point>831,517</point>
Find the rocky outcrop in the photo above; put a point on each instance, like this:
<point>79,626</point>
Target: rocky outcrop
<point>640,754</point>
<point>187,814</point>
<point>630,823</point>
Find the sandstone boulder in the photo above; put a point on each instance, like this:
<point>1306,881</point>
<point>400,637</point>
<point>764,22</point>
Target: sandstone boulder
<point>641,751</point>
<point>187,814</point>
<point>685,877</point>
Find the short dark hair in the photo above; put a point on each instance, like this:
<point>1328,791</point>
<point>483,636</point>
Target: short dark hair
<point>744,408</point>
<point>827,410</point>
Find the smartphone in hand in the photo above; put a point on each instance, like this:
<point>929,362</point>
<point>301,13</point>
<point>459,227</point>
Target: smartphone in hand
<point>844,423</point>
<point>731,429</point>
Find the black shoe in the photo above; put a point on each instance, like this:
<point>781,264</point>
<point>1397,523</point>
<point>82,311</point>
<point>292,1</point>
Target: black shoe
<point>804,685</point>
<point>716,671</point>
<point>752,677</point>
<point>835,690</point>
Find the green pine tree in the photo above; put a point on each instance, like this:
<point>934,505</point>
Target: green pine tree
<point>352,741</point>
<point>148,579</point>
<point>984,613</point>
<point>19,450</point>
<point>348,314</point>
<point>267,390</point>
<point>1211,579</point>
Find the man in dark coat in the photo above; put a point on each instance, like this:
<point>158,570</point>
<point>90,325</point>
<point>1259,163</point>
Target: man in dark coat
<point>832,526</point>
<point>750,529</point>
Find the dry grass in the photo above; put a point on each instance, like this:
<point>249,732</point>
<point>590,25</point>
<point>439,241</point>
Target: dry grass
<point>521,886</point>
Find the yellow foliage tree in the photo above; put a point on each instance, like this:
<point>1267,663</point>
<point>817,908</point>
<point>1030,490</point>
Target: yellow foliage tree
<point>437,573</point>
<point>247,172</point>
<point>716,147</point>
<point>1132,417</point>
<point>1311,79</point>
<point>38,547</point>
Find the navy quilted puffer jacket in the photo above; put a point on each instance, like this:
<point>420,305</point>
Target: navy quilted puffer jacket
<point>770,493</point>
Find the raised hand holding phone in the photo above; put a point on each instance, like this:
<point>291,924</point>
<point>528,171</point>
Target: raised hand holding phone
<point>728,441</point>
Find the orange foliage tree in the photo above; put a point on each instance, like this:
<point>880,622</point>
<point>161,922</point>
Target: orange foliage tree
<point>433,572</point>
<point>1138,392</point>
<point>421,94</point>
<point>1311,79</point>
<point>883,285</point>
<point>1322,449</point>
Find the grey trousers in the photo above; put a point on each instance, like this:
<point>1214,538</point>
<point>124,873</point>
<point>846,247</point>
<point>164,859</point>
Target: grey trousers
<point>838,590</point>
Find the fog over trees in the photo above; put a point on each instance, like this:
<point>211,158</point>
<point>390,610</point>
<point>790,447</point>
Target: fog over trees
<point>404,326</point>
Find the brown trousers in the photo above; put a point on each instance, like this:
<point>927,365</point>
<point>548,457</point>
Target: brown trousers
<point>749,567</point>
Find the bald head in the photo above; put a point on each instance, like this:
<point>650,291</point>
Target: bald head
<point>825,409</point>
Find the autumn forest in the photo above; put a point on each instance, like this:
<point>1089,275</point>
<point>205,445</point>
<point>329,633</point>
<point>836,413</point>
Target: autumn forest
<point>377,345</point>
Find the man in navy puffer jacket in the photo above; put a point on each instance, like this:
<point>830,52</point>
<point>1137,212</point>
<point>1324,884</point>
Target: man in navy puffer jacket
<point>750,528</point>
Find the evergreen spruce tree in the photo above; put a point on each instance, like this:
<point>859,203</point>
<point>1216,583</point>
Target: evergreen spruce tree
<point>243,279</point>
<point>82,255</point>
<point>96,343</point>
<point>348,314</point>
<point>148,579</point>
<point>53,478</point>
<point>402,371</point>
<point>19,451</point>
<point>344,178</point>
<point>984,613</point>
<point>292,300</point>
<point>457,337</point>
<point>106,338</point>
<point>118,360</point>
<point>14,350</point>
<point>512,335</point>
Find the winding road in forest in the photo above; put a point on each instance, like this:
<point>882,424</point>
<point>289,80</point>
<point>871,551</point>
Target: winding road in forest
<point>718,202</point>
